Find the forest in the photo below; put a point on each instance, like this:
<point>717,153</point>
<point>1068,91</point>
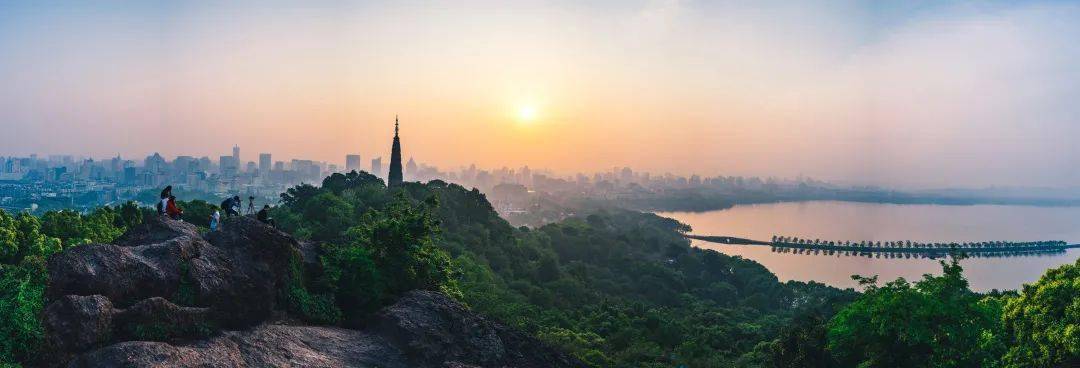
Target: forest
<point>616,288</point>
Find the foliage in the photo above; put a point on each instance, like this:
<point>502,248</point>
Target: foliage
<point>25,243</point>
<point>375,245</point>
<point>314,308</point>
<point>22,289</point>
<point>615,288</point>
<point>197,212</point>
<point>1042,325</point>
<point>72,228</point>
<point>937,322</point>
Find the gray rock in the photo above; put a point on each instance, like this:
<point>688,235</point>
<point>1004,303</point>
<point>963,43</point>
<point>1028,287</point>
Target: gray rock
<point>264,346</point>
<point>159,319</point>
<point>125,275</point>
<point>76,323</point>
<point>435,331</point>
<point>156,229</point>
<point>232,279</point>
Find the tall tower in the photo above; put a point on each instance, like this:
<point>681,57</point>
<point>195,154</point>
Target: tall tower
<point>394,178</point>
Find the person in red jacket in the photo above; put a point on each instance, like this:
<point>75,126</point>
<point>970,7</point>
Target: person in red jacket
<point>172,210</point>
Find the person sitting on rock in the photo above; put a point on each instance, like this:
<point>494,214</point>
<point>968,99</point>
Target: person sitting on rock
<point>172,210</point>
<point>163,199</point>
<point>264,216</point>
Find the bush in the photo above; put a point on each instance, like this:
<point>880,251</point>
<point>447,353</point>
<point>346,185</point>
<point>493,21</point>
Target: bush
<point>22,297</point>
<point>314,308</point>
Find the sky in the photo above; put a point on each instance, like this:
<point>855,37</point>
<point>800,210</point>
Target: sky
<point>895,93</point>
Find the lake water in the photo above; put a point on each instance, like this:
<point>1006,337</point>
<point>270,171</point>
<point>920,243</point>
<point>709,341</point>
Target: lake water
<point>890,222</point>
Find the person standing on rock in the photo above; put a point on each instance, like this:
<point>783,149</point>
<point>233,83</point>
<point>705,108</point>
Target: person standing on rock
<point>214,219</point>
<point>251,205</point>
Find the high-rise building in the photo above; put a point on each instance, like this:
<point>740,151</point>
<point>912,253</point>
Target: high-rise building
<point>264,163</point>
<point>228,166</point>
<point>376,166</point>
<point>394,177</point>
<point>352,162</point>
<point>410,168</point>
<point>236,154</point>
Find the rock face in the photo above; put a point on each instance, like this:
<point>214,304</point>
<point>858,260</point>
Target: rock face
<point>423,329</point>
<point>165,296</point>
<point>263,346</point>
<point>165,279</point>
<point>436,331</point>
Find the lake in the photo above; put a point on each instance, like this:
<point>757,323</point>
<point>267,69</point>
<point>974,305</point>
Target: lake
<point>832,220</point>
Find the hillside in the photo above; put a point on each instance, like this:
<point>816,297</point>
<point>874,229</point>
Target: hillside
<point>428,275</point>
<point>165,295</point>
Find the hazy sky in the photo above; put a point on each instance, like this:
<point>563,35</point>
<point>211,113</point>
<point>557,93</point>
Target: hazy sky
<point>891,92</point>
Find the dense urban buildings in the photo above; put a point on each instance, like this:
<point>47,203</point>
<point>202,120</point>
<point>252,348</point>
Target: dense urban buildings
<point>62,181</point>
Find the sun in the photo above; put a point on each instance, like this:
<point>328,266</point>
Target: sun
<point>527,113</point>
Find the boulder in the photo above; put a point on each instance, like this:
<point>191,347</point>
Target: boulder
<point>258,263</point>
<point>435,331</point>
<point>159,319</point>
<point>268,345</point>
<point>156,229</point>
<point>76,323</point>
<point>230,281</point>
<point>125,275</point>
<point>423,330</point>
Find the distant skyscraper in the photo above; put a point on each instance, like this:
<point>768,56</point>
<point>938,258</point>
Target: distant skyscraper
<point>410,168</point>
<point>352,162</point>
<point>394,178</point>
<point>228,166</point>
<point>236,154</point>
<point>264,163</point>
<point>376,166</point>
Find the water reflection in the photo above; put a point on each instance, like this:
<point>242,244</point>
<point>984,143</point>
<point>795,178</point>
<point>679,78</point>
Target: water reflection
<point>885,222</point>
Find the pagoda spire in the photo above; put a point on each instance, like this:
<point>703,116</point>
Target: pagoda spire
<point>394,178</point>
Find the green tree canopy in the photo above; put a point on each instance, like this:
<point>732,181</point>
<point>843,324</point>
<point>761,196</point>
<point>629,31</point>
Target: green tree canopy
<point>1042,325</point>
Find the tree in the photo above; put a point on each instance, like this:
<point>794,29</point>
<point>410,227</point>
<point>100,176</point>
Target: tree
<point>338,183</point>
<point>327,215</point>
<point>1042,325</point>
<point>197,212</point>
<point>9,238</point>
<point>22,297</point>
<point>401,242</point>
<point>937,322</point>
<point>130,215</point>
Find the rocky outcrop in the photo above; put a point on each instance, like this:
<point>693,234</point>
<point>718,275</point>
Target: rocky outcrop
<point>264,346</point>
<point>423,329</point>
<point>435,331</point>
<point>165,277</point>
<point>165,296</point>
<point>85,320</point>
